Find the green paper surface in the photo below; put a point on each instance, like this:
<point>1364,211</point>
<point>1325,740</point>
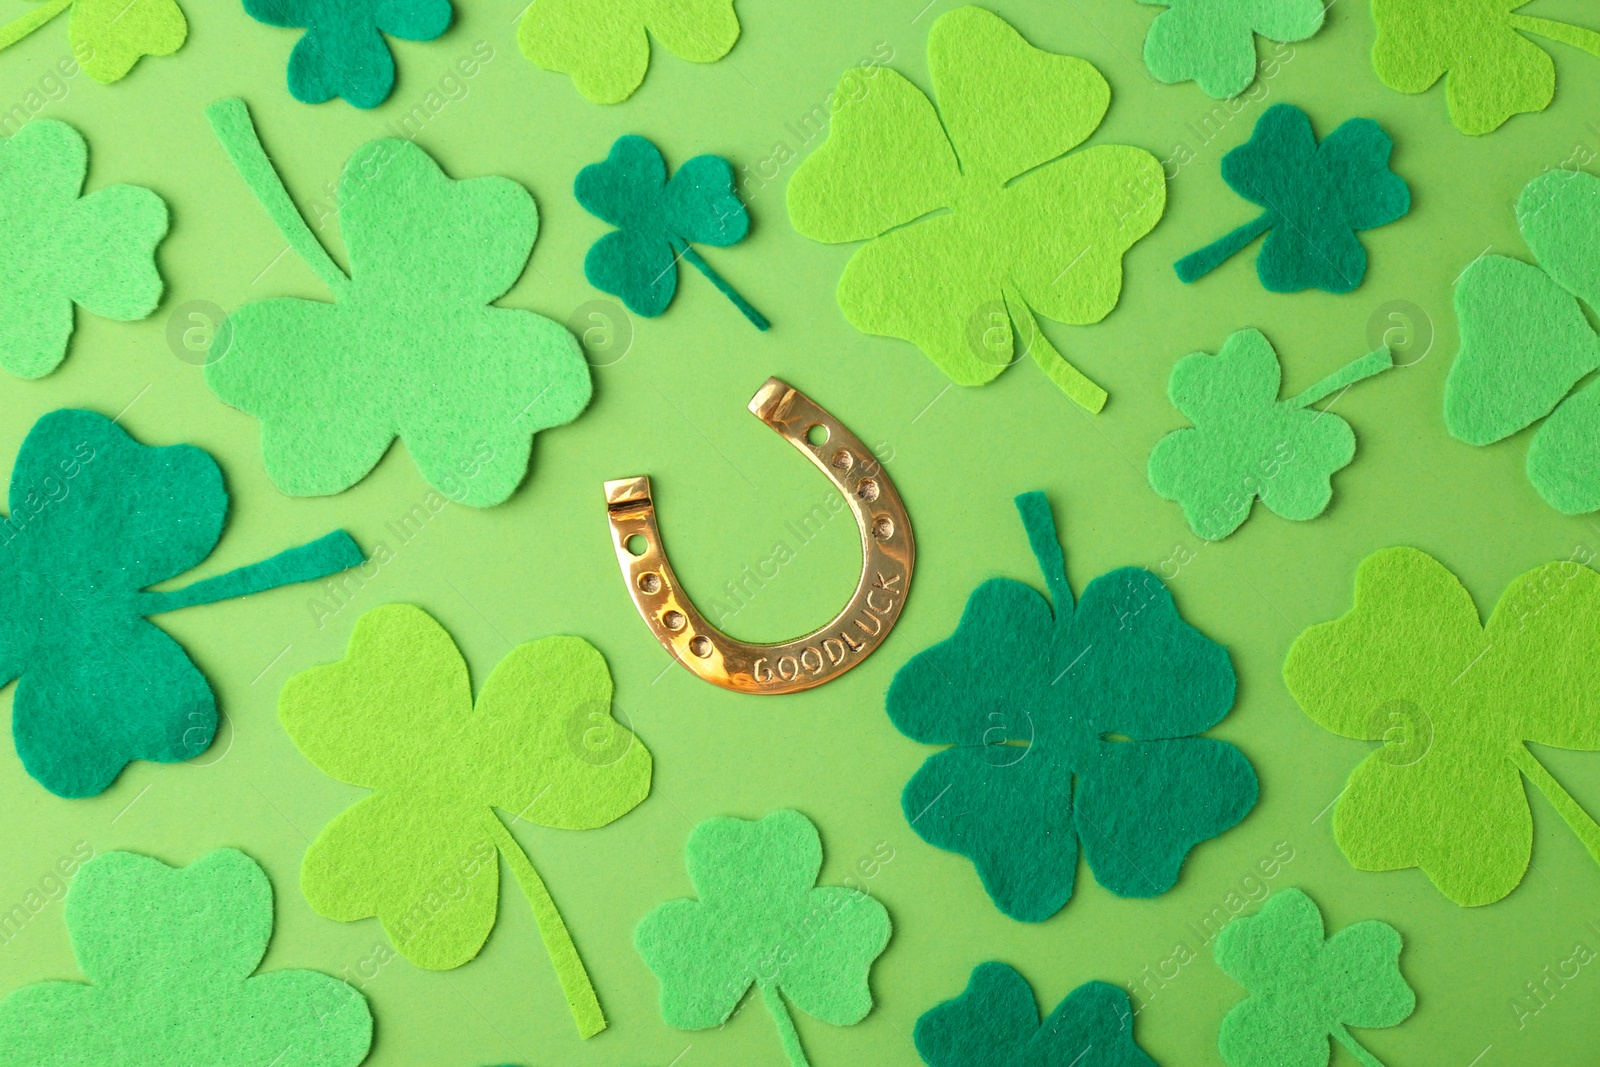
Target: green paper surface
<point>1213,42</point>
<point>108,36</point>
<point>605,44</point>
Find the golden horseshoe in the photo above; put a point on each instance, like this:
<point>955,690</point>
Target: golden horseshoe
<point>887,555</point>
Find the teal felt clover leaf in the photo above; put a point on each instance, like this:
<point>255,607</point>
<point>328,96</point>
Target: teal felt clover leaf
<point>96,519</point>
<point>1213,42</point>
<point>59,248</point>
<point>1070,730</point>
<point>657,220</point>
<point>761,920</point>
<point>1317,198</point>
<point>342,52</point>
<point>170,955</point>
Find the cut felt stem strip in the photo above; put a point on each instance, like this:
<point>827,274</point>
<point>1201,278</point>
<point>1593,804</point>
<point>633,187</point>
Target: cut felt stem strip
<point>1199,264</point>
<point>1372,363</point>
<point>1580,822</point>
<point>788,1036</point>
<point>1069,379</point>
<point>327,555</point>
<point>694,259</point>
<point>1576,36</point>
<point>16,30</point>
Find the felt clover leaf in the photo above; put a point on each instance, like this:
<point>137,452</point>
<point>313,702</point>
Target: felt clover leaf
<point>396,715</point>
<point>170,954</point>
<point>411,346</point>
<point>1305,988</point>
<point>1029,703</point>
<point>995,1023</point>
<point>761,921</point>
<point>656,220</point>
<point>1213,42</point>
<point>1246,443</point>
<point>96,519</point>
<point>58,247</point>
<point>1028,227</point>
<point>108,36</point>
<point>605,44</point>
<point>1457,704</point>
<point>1526,342</point>
<point>343,52</point>
<point>1316,198</point>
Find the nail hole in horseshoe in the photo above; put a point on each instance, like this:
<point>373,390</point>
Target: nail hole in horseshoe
<point>701,646</point>
<point>817,434</point>
<point>637,544</point>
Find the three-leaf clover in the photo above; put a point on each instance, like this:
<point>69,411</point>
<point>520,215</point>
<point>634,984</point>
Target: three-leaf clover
<point>605,44</point>
<point>96,518</point>
<point>1525,342</point>
<point>762,921</point>
<point>1213,42</point>
<point>995,1023</point>
<point>1304,988</point>
<point>396,715</point>
<point>411,346</point>
<point>170,954</point>
<point>1028,227</point>
<point>1456,704</point>
<point>1070,729</point>
<point>108,36</point>
<point>342,52</point>
<point>656,220</point>
<point>1246,443</point>
<point>58,247</point>
<point>1491,70</point>
<point>1316,198</point>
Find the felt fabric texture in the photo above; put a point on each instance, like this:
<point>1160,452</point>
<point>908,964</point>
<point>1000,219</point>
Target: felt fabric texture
<point>1492,70</point>
<point>1246,443</point>
<point>1304,988</point>
<point>108,36</point>
<point>96,518</point>
<point>1213,42</point>
<point>761,920</point>
<point>1027,700</point>
<point>1456,704</point>
<point>657,220</point>
<point>995,1023</point>
<point>343,53</point>
<point>1317,197</point>
<point>605,44</point>
<point>59,248</point>
<point>1526,342</point>
<point>396,715</point>
<point>170,954</point>
<point>411,346</point>
<point>1016,225</point>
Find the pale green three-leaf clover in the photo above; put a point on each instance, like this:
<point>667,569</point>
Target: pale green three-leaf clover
<point>605,44</point>
<point>1213,42</point>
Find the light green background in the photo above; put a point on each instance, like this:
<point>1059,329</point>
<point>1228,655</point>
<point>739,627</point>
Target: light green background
<point>673,407</point>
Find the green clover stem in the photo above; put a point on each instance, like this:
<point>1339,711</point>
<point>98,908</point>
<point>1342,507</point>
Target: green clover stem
<point>1343,378</point>
<point>787,1035</point>
<point>693,259</point>
<point>1069,379</point>
<point>1198,264</point>
<point>1578,819</point>
<point>1367,1059</point>
<point>1576,36</point>
<point>318,559</point>
<point>575,982</point>
<point>12,32</point>
<point>1034,508</point>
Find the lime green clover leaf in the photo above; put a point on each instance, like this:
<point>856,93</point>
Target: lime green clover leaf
<point>962,285</point>
<point>108,36</point>
<point>1526,343</point>
<point>1491,70</point>
<point>396,715</point>
<point>411,346</point>
<point>1457,704</point>
<point>58,248</point>
<point>170,954</point>
<point>761,921</point>
<point>1246,443</point>
<point>1305,988</point>
<point>1213,42</point>
<point>605,44</point>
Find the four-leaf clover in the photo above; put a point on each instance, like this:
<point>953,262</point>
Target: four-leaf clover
<point>108,36</point>
<point>605,44</point>
<point>343,52</point>
<point>1213,42</point>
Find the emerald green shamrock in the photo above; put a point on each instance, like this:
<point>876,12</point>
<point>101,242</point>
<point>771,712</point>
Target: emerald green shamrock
<point>1305,989</point>
<point>605,44</point>
<point>170,954</point>
<point>396,715</point>
<point>1457,704</point>
<point>411,346</point>
<point>343,52</point>
<point>761,921</point>
<point>1526,342</point>
<point>656,220</point>
<point>1027,227</point>
<point>1493,71</point>
<point>108,36</point>
<point>995,1023</point>
<point>1316,198</point>
<point>1213,43</point>
<point>1030,705</point>
<point>58,248</point>
<point>1246,443</point>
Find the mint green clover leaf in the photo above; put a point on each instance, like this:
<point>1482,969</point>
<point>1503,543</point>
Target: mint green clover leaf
<point>1028,226</point>
<point>1246,443</point>
<point>108,36</point>
<point>59,248</point>
<point>605,44</point>
<point>412,346</point>
<point>1028,700</point>
<point>1213,42</point>
<point>760,920</point>
<point>1305,988</point>
<point>171,954</point>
